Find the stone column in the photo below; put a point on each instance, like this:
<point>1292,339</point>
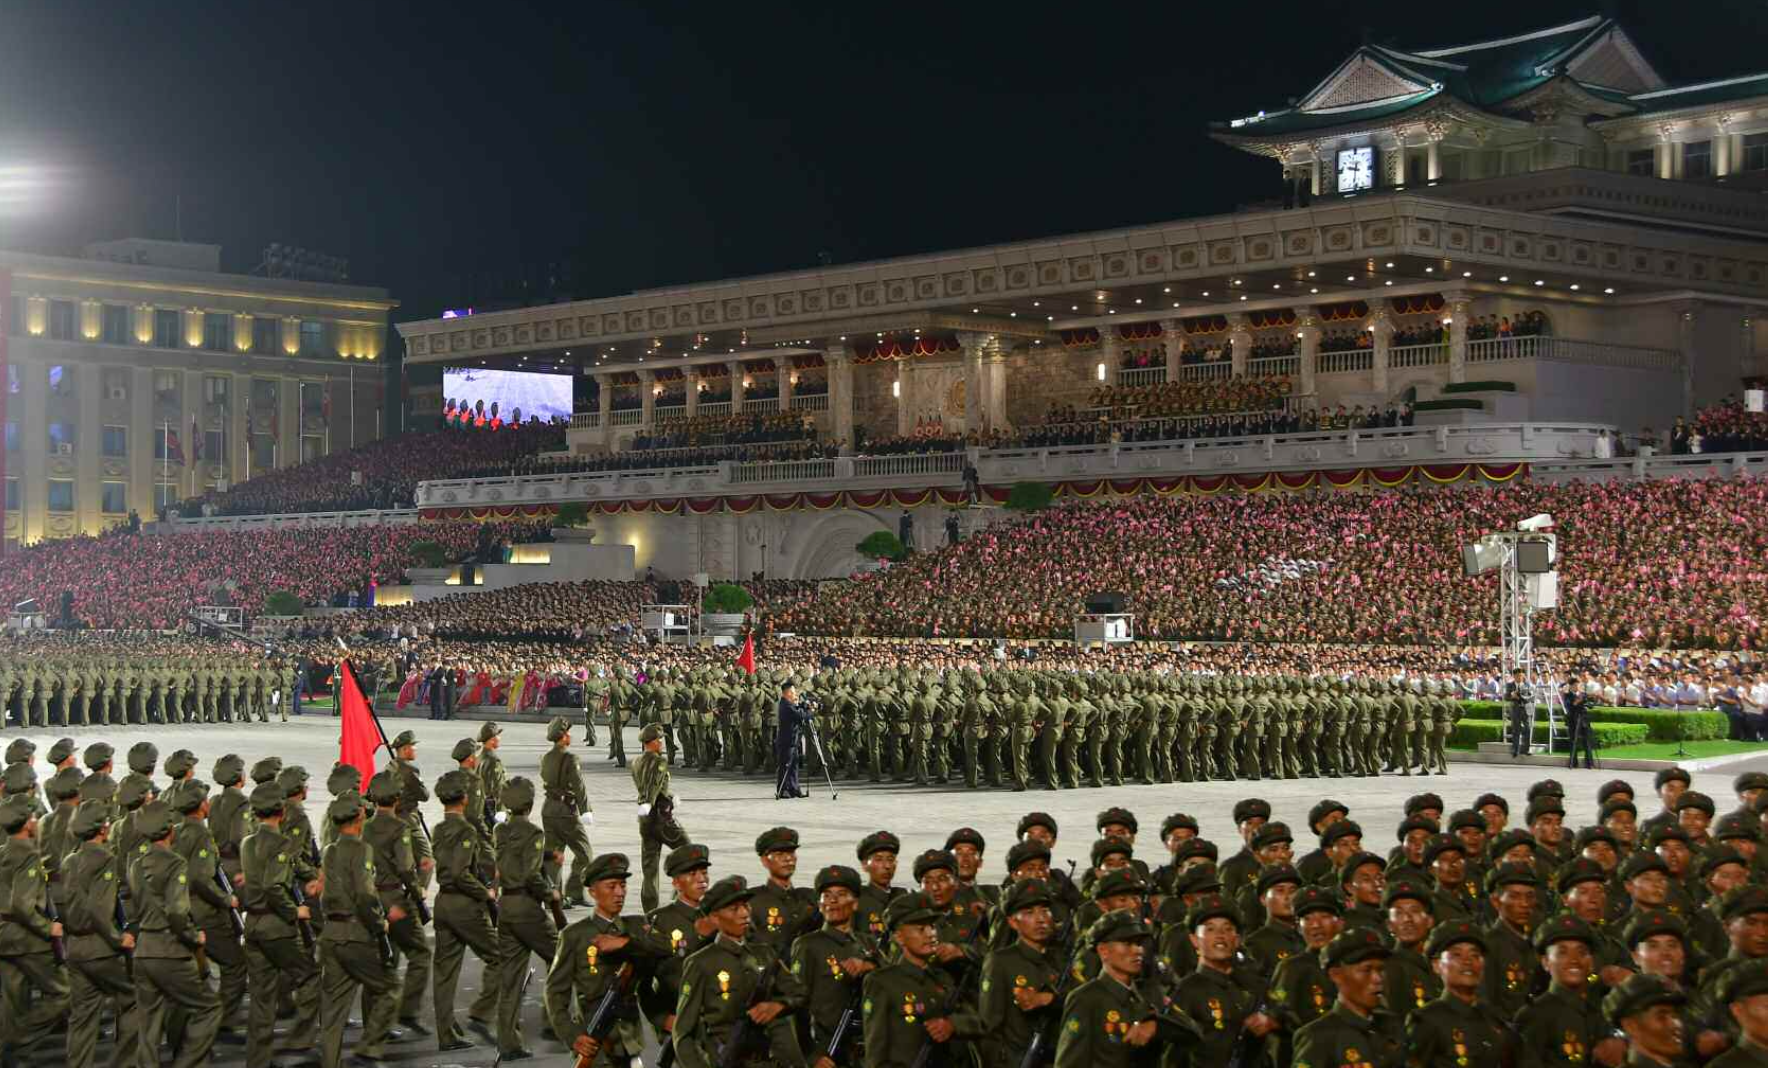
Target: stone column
<point>905,393</point>
<point>840,360</point>
<point>736,369</point>
<point>1721,146</point>
<point>190,328</point>
<point>1110,354</point>
<point>91,322</point>
<point>1309,333</point>
<point>1383,329</point>
<point>291,336</point>
<point>690,379</point>
<point>144,470</point>
<point>975,403</point>
<point>1460,309</point>
<point>1240,339</point>
<point>1172,343</point>
<point>192,393</point>
<point>33,439</point>
<point>239,425</point>
<point>288,418</point>
<point>1687,326</point>
<point>604,399</point>
<point>1314,176</point>
<point>783,373</point>
<point>995,379</point>
<point>88,385</point>
<point>1433,168</point>
<point>647,400</point>
<point>242,333</point>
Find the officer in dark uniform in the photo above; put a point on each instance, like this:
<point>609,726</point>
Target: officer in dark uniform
<point>1357,1029</point>
<point>1577,725</point>
<point>1520,703</point>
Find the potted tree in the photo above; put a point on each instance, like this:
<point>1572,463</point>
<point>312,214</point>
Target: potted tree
<point>433,567</point>
<point>722,608</point>
<point>284,604</point>
<point>571,523</point>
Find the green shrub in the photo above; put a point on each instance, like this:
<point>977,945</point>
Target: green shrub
<point>283,603</point>
<point>430,554</point>
<point>727,598</point>
<point>1480,387</point>
<point>1470,732</point>
<point>570,515</point>
<point>1030,496</point>
<point>881,545</point>
<point>1663,725</point>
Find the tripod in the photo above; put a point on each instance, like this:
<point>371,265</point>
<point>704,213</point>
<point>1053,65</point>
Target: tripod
<point>1681,735</point>
<point>816,740</point>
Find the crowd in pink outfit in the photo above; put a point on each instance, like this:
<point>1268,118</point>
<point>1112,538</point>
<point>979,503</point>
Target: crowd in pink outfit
<point>1668,563</point>
<point>389,472</point>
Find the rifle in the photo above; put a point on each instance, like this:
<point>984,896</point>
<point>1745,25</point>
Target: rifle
<point>606,1013</point>
<point>1043,1039</point>
<point>57,944</point>
<point>844,1026</point>
<point>304,926</point>
<point>122,919</point>
<point>952,1000</point>
<point>731,1053</point>
<point>234,920</point>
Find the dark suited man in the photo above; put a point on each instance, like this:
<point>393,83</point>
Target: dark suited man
<point>437,697</point>
<point>1577,724</point>
<point>792,715</point>
<point>450,691</point>
<point>1517,696</point>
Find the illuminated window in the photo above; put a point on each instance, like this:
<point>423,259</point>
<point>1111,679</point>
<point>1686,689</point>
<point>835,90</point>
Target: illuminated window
<point>217,331</point>
<point>165,328</point>
<point>114,328</point>
<point>61,495</point>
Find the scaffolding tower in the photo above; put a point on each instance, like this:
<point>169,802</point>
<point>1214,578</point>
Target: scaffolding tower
<point>1520,595</point>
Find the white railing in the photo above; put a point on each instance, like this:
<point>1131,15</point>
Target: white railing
<point>586,420</point>
<point>1142,376</point>
<point>1274,365</point>
<point>713,408</point>
<point>386,517</point>
<point>1692,465</point>
<point>1486,350</point>
<point>1348,360</point>
<point>1418,355</point>
<point>669,411</point>
<point>810,402</point>
<point>782,471</point>
<point>626,417</point>
<point>1203,372</point>
<point>931,463</point>
<point>761,404</point>
<point>1607,354</point>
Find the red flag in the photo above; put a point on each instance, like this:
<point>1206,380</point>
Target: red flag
<point>359,735</point>
<point>196,440</point>
<point>746,660</point>
<point>174,451</point>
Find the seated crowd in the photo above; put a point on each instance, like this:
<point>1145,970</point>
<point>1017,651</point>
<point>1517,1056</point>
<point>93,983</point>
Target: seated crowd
<point>1666,563</point>
<point>1724,427</point>
<point>1243,394</point>
<point>742,428</point>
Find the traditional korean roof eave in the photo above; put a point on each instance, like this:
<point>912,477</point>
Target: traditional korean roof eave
<point>1350,123</point>
<point>1562,88</point>
<point>1731,94</point>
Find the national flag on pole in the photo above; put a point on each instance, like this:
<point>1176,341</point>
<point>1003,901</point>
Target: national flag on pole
<point>196,440</point>
<point>325,402</point>
<point>274,425</point>
<point>359,733</point>
<point>174,450</point>
<point>746,660</point>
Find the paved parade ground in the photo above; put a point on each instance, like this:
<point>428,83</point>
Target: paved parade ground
<point>726,812</point>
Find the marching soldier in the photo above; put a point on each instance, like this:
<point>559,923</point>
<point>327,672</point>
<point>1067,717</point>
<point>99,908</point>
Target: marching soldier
<point>278,964</point>
<point>779,910</point>
<point>492,776</point>
<point>567,810</point>
<point>832,963</point>
<point>26,935</point>
<point>169,983</point>
<point>1356,1029</point>
<point>412,793</point>
<point>354,954</point>
<point>686,929</point>
<point>657,826</point>
<point>396,881</point>
<point>211,908</point>
<point>732,983</point>
<point>464,907</point>
<point>523,926</point>
<point>97,949</point>
<point>601,951</point>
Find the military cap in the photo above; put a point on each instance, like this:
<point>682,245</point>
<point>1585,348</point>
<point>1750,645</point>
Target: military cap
<point>1611,788</point>
<point>1407,887</point>
<point>1035,819</point>
<point>1420,802</point>
<point>21,749</point>
<point>404,739</point>
<point>1466,819</point>
<point>879,842</point>
<point>489,730</point>
<point>1614,805</point>
<point>62,749</point>
<point>181,761</point>
<point>19,778</point>
<point>1697,800</point>
<point>776,839</point>
<point>1323,809</point>
<point>88,819</point>
<point>1359,860</point>
<point>1119,881</point>
<point>1594,833</point>
<point>1669,775</point>
<point>607,866</point>
<point>1744,981</point>
<point>1653,922</point>
<point>1104,847</point>
<point>1669,832</point>
<point>1354,947</point>
<point>557,728</point>
<point>292,779</point>
<point>143,756</point>
<point>1640,863</point>
<point>1317,899</point>
<point>1564,927</point>
<point>650,733</point>
<point>1750,780</point>
<point>1735,827</point>
<point>965,835</point>
<point>188,796</point>
<point>1341,829</point>
<point>1415,823</point>
<point>1177,821</point>
<point>342,810</point>
<point>1717,857</point>
<point>63,784</point>
<point>269,799</point>
<point>1545,788</point>
<point>15,812</point>
<point>1251,808</point>
<point>383,789</point>
<point>1454,932</point>
<point>153,821</point>
<point>267,769</point>
<point>1116,815</point>
<point>1510,839</point>
<point>1030,849</point>
<point>1270,834</point>
<point>1201,879</point>
<point>1194,847</point>
<point>1745,900</point>
<point>1278,874</point>
<point>911,908</point>
<point>518,794</point>
<point>1545,805</point>
<point>229,769</point>
<point>1491,799</point>
<point>1440,844</point>
<point>98,754</point>
<point>97,787</point>
<point>343,777</point>
<point>464,748</point>
<point>1025,894</point>
<point>132,793</point>
<point>1209,907</point>
<point>684,859</point>
<point>837,875</point>
<point>1120,926</point>
<point>933,860</point>
<point>1511,873</point>
<point>1578,870</point>
<point>454,786</point>
<point>1639,993</point>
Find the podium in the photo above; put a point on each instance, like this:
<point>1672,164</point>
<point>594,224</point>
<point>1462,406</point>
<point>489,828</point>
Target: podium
<point>1104,628</point>
<point>666,621</point>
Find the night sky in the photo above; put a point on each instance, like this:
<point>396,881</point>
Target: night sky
<point>471,153</point>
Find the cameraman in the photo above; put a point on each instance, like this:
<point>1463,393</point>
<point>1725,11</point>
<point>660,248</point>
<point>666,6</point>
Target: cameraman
<point>1577,723</point>
<point>793,713</point>
<point>1519,700</point>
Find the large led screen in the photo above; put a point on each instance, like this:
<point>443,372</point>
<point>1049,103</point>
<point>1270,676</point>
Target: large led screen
<point>531,394</point>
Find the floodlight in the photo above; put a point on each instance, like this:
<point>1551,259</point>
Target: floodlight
<point>1535,523</point>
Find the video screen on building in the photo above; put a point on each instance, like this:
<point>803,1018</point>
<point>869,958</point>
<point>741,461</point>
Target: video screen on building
<point>516,395</point>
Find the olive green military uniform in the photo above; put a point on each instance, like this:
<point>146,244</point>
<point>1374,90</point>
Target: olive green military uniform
<point>27,961</point>
<point>98,964</point>
<point>656,826</point>
<point>523,926</point>
<point>463,913</point>
<point>561,815</point>
<point>580,974</point>
<point>278,962</point>
<point>395,865</point>
<point>167,979</point>
<point>1344,1036</point>
<point>717,985</point>
<point>211,909</point>
<point>350,947</point>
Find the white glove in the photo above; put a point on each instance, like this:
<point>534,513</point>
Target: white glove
<point>501,817</point>
<point>589,819</point>
<point>643,811</point>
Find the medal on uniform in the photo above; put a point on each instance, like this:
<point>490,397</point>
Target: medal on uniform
<point>1113,1026</point>
<point>724,985</point>
<point>834,967</point>
<point>773,917</point>
<point>1512,975</point>
<point>676,939</point>
<point>1215,1012</point>
<point>590,953</point>
<point>1459,1037</point>
<point>908,1007</point>
<point>1573,1048</point>
<point>1319,998</point>
<point>1418,993</point>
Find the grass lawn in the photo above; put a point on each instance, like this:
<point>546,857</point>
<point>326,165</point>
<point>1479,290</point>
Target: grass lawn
<point>315,702</point>
<point>1667,750</point>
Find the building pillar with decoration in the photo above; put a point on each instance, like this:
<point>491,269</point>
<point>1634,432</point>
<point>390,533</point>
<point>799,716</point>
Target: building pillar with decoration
<point>690,381</point>
<point>647,399</point>
<point>1110,354</point>
<point>995,378</point>
<point>1172,346</point>
<point>1308,333</point>
<point>1460,308</point>
<point>840,360</point>
<point>975,347</point>
<point>736,370</point>
<point>1381,326</point>
<point>1239,342</point>
<point>604,405</point>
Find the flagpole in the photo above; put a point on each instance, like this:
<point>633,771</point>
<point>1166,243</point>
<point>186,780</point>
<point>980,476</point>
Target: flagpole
<point>352,406</point>
<point>165,452</point>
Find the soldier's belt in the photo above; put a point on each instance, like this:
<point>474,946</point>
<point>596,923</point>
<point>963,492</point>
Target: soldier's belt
<point>384,887</point>
<point>260,912</point>
<point>343,917</point>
